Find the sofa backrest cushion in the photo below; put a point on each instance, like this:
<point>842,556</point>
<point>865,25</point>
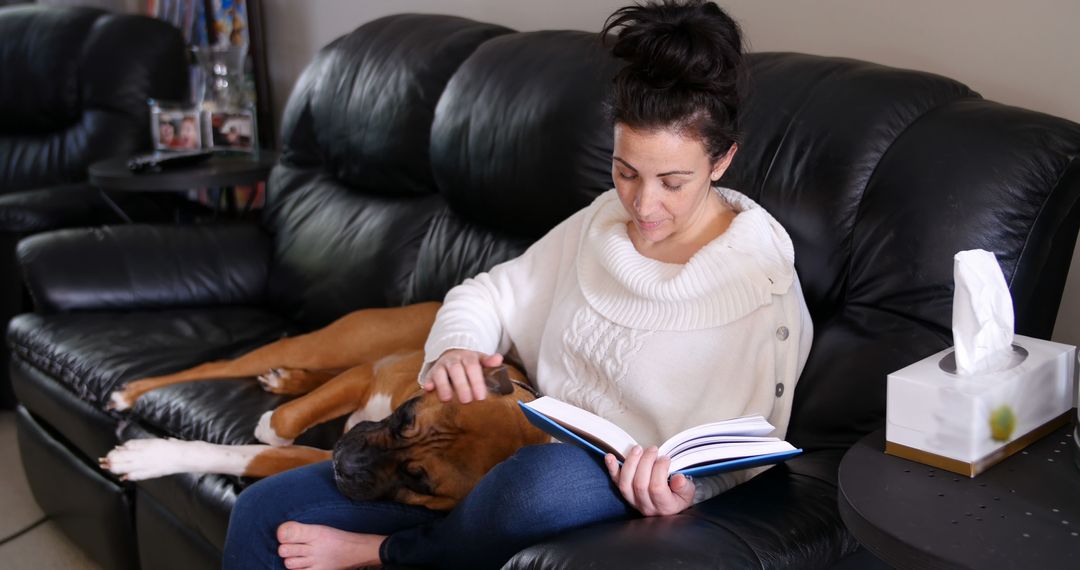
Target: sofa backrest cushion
<point>353,194</point>
<point>455,249</point>
<point>521,139</point>
<point>880,176</point>
<point>40,51</point>
<point>76,82</point>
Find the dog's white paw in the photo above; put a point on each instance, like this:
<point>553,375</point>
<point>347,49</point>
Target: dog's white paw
<point>140,459</point>
<point>119,401</point>
<point>273,380</point>
<point>265,433</point>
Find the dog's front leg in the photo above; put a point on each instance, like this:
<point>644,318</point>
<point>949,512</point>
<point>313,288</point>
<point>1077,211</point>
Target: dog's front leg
<point>140,459</point>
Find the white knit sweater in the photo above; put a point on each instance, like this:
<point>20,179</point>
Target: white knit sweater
<point>654,347</point>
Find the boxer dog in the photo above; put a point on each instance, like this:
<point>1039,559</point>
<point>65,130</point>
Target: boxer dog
<point>400,443</point>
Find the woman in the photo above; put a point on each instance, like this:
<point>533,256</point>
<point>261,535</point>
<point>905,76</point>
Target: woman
<point>665,304</point>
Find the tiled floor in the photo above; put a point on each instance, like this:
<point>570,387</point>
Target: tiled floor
<point>44,547</point>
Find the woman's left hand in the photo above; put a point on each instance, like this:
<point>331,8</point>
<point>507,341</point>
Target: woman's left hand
<point>643,481</point>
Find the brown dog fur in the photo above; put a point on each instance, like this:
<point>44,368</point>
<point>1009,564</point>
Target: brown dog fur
<point>366,359</point>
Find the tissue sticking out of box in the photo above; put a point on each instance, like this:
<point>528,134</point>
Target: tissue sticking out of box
<point>982,313</point>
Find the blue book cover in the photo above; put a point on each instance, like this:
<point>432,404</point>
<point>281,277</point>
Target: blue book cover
<point>562,434</point>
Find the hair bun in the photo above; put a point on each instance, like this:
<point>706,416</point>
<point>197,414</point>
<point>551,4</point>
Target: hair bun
<point>669,45</point>
<point>684,70</point>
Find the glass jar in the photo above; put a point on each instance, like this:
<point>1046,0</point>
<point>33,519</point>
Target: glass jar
<point>224,86</point>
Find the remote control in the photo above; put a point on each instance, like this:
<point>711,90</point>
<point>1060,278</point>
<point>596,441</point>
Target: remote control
<point>158,160</point>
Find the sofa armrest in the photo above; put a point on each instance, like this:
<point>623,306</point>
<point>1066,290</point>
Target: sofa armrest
<point>55,207</point>
<point>786,517</point>
<point>145,267</point>
<point>82,205</point>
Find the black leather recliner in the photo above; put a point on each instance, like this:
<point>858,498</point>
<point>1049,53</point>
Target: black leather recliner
<point>73,89</point>
<point>419,150</point>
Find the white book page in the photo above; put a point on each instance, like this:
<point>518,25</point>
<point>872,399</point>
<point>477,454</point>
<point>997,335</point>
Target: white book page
<point>755,426</point>
<point>729,451</point>
<point>717,439</point>
<point>579,420</point>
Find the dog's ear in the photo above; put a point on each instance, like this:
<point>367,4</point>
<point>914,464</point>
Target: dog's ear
<point>498,380</point>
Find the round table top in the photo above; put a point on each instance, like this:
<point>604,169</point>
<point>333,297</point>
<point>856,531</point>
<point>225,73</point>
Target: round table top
<point>1021,513</point>
<point>218,170</point>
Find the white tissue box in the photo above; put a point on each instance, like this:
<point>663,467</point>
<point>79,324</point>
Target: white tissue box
<point>965,424</point>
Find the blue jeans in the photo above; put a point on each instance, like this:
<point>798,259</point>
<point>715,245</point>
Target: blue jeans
<point>541,491</point>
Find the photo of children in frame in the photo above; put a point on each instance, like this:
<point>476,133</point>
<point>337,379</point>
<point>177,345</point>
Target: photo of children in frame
<point>176,129</point>
<point>233,130</point>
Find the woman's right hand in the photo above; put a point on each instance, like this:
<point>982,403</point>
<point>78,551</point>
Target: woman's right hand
<point>461,372</point>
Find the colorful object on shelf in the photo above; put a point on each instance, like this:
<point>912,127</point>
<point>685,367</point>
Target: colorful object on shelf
<point>217,23</point>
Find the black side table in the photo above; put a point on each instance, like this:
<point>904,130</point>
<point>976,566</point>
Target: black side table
<point>217,171</point>
<point>1021,513</point>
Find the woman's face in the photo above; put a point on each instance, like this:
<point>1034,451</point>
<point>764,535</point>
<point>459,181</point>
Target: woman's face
<point>664,182</point>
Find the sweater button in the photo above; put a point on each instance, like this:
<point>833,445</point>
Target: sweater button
<point>779,390</point>
<point>782,333</point>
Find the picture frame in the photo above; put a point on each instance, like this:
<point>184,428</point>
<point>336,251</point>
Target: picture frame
<point>174,127</point>
<point>207,23</point>
<point>230,130</point>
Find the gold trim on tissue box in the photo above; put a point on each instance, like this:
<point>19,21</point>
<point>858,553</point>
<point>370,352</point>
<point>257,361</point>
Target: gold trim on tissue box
<point>973,468</point>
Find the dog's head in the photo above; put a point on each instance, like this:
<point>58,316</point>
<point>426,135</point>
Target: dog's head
<point>431,453</point>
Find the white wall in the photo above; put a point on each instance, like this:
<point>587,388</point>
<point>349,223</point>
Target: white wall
<point>1020,53</point>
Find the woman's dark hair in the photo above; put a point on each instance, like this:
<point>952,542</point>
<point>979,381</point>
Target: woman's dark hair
<point>684,70</point>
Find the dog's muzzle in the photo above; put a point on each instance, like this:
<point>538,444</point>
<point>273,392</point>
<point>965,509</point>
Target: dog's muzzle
<point>370,463</point>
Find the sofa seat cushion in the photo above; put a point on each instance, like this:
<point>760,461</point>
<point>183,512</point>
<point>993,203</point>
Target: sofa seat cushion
<point>222,411</point>
<point>786,517</point>
<point>93,354</point>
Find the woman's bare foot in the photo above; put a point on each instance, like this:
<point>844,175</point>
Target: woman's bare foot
<point>318,547</point>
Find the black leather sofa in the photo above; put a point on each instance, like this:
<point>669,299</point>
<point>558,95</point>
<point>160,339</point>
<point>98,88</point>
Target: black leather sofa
<point>73,89</point>
<point>419,150</point>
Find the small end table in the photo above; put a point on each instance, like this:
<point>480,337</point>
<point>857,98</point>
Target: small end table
<point>1022,513</point>
<point>216,171</point>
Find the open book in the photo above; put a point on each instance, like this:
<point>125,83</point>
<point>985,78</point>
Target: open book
<point>738,443</point>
